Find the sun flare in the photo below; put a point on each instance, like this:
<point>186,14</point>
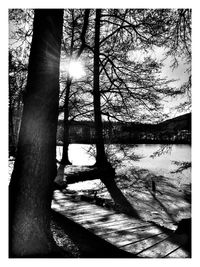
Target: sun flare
<point>74,68</point>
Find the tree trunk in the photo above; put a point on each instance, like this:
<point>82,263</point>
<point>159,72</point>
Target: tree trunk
<point>120,200</point>
<point>12,137</point>
<point>65,156</point>
<point>31,186</point>
<point>100,156</point>
<point>101,160</point>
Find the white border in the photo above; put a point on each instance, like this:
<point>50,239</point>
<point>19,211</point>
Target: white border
<point>4,128</point>
<point>99,4</point>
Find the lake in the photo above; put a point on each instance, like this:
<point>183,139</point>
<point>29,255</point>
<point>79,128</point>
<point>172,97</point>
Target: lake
<point>160,165</point>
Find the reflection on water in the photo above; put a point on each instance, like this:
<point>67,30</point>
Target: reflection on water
<point>160,165</point>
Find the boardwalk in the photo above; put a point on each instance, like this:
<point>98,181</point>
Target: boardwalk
<point>141,238</point>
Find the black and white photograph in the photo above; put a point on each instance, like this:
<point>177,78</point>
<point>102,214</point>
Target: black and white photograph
<point>99,133</point>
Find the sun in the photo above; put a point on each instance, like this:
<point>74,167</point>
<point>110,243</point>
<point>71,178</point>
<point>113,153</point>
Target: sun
<point>74,68</point>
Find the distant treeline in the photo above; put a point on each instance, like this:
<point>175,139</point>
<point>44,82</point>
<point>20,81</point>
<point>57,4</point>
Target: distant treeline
<point>177,130</point>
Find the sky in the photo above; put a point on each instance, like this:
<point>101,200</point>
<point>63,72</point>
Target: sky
<point>178,74</point>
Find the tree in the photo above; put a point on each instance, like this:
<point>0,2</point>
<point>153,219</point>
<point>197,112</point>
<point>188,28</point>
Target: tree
<point>100,151</point>
<point>15,99</point>
<point>65,157</point>
<point>31,186</point>
<point>127,88</point>
<point>101,159</point>
<point>20,32</point>
<point>178,43</point>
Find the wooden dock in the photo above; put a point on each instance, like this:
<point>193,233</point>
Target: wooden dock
<point>144,239</point>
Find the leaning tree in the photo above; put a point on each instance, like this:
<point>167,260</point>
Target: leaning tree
<point>121,85</point>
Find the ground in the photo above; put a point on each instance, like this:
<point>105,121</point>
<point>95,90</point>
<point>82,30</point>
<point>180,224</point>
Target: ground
<point>156,198</point>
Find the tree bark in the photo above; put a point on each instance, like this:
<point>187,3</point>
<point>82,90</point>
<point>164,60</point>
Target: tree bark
<point>31,186</point>
<point>100,156</point>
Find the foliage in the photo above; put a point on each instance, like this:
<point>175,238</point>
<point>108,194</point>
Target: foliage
<point>164,149</point>
<point>182,165</point>
<point>20,36</point>
<point>127,86</point>
<point>131,90</point>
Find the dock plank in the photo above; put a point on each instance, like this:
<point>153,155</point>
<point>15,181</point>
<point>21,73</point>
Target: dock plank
<point>129,234</point>
<point>163,248</point>
<point>179,252</point>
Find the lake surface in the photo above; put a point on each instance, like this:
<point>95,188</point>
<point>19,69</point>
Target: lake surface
<point>160,165</point>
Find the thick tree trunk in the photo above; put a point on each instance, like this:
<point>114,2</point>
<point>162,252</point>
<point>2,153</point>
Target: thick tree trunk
<point>31,186</point>
<point>65,155</point>
<point>101,156</point>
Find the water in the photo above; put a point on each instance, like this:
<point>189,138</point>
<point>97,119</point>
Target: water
<point>78,154</point>
<point>159,165</point>
<point>164,164</point>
